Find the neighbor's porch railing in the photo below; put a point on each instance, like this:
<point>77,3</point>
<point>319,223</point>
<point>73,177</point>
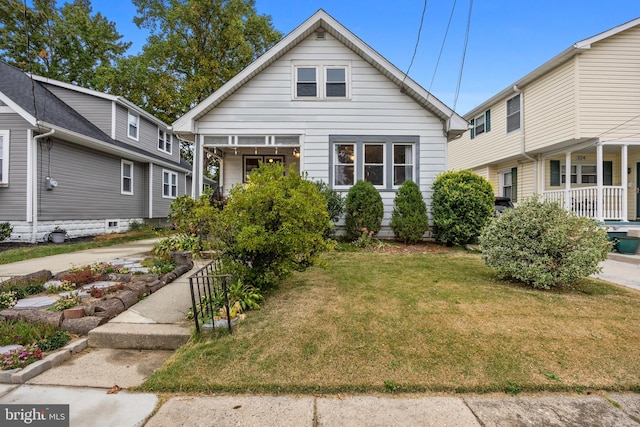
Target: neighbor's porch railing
<point>584,201</point>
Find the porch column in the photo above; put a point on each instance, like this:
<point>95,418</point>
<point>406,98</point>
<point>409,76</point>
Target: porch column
<point>600,182</point>
<point>567,181</point>
<point>625,181</point>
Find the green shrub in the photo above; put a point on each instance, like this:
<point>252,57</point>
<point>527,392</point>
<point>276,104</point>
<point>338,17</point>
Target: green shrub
<point>5,230</point>
<point>409,219</point>
<point>543,245</point>
<point>461,205</point>
<point>364,209</point>
<point>273,225</point>
<point>182,242</point>
<point>335,204</point>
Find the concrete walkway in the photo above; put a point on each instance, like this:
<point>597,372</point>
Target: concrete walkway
<point>83,381</point>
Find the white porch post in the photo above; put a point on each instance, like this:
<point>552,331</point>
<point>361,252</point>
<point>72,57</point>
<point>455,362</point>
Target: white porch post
<point>543,166</point>
<point>624,181</point>
<point>600,182</point>
<point>567,181</point>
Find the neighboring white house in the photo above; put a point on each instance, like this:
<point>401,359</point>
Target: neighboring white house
<point>323,99</point>
<point>578,112</point>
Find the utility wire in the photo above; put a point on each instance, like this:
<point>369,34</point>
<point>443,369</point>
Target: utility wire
<point>464,54</point>
<point>415,49</point>
<point>453,8</point>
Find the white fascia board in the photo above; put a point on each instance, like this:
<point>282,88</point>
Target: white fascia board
<point>586,43</point>
<point>19,110</point>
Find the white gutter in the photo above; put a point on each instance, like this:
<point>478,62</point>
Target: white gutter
<point>34,191</point>
<point>522,140</point>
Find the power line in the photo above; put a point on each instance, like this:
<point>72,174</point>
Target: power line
<point>453,8</point>
<point>464,54</point>
<point>415,49</point>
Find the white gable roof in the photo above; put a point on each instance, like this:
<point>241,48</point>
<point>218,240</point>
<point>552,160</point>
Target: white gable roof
<point>548,66</point>
<point>455,125</point>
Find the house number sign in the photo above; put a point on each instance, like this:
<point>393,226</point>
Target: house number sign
<point>581,158</point>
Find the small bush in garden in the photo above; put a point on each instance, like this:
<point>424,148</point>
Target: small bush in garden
<point>461,205</point>
<point>80,276</point>
<point>409,219</point>
<point>5,230</point>
<point>20,357</point>
<point>182,242</point>
<point>543,245</point>
<point>363,209</point>
<point>62,287</point>
<point>159,265</point>
<point>65,302</point>
<point>23,333</point>
<point>54,341</point>
<point>273,225</point>
<point>7,299</point>
<point>24,289</point>
<point>365,240</point>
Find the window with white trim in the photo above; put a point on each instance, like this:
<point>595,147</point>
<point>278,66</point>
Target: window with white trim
<point>4,157</point>
<point>169,184</point>
<point>126,172</point>
<point>374,164</point>
<point>507,184</point>
<point>317,81</point>
<point>164,141</point>
<point>134,123</point>
<point>344,160</point>
<point>402,164</point>
<point>513,113</point>
<point>479,125</point>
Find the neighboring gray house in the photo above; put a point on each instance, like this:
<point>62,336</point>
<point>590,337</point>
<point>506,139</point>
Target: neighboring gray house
<point>323,99</point>
<point>82,160</point>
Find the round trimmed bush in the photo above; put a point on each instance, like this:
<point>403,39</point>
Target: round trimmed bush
<point>461,205</point>
<point>363,209</point>
<point>543,245</point>
<point>409,219</point>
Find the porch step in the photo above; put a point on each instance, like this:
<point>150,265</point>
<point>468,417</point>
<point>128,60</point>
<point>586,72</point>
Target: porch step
<point>143,336</point>
<point>630,259</point>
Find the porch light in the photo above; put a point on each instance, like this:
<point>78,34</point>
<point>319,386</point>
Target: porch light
<point>296,153</point>
<point>255,150</point>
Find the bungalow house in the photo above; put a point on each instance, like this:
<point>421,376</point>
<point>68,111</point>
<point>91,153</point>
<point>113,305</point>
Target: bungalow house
<point>81,160</point>
<point>325,101</point>
<point>569,130</point>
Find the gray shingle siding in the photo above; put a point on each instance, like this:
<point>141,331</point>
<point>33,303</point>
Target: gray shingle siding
<point>13,199</point>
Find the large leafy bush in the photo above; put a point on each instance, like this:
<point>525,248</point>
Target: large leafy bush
<point>5,230</point>
<point>461,205</point>
<point>409,219</point>
<point>543,245</point>
<point>364,209</point>
<point>273,225</point>
<point>335,204</point>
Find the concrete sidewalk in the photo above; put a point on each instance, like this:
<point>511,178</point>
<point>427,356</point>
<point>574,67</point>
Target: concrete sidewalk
<point>83,381</point>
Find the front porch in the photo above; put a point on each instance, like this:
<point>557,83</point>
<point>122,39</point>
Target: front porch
<point>601,186</point>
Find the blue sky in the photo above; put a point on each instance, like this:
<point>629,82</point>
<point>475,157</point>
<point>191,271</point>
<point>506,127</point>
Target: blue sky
<point>507,38</point>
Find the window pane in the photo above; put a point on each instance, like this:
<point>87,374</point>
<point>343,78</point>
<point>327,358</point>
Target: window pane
<point>343,175</point>
<point>374,174</point>
<point>336,75</point>
<point>402,174</point>
<point>402,154</point>
<point>588,169</point>
<point>373,154</point>
<point>1,169</point>
<point>344,154</point>
<point>126,169</point>
<point>507,179</point>
<point>126,185</point>
<point>133,131</point>
<point>506,192</point>
<point>513,122</point>
<point>306,89</point>
<point>306,75</point>
<point>513,105</point>
<point>337,89</point>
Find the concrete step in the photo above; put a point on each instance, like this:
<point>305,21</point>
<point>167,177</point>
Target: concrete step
<point>139,336</point>
<point>631,259</point>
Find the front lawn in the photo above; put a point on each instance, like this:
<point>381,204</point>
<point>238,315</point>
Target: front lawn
<point>414,322</point>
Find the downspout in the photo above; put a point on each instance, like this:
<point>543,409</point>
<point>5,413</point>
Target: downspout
<point>34,193</point>
<point>522,140</point>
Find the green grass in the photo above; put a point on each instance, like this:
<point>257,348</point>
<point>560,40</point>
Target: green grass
<point>38,251</point>
<point>379,322</point>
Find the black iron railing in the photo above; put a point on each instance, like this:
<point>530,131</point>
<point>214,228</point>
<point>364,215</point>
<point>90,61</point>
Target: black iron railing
<point>208,294</point>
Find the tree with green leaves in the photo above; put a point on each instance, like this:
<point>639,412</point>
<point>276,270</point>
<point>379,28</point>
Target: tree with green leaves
<point>68,43</point>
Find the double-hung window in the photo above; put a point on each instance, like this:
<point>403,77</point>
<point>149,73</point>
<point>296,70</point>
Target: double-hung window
<point>164,141</point>
<point>580,174</point>
<point>374,164</point>
<point>126,171</point>
<point>343,163</point>
<point>134,122</point>
<point>4,157</point>
<point>481,124</point>
<point>306,82</point>
<point>513,113</point>
<point>318,81</point>
<point>402,163</point>
<point>336,82</point>
<point>169,184</point>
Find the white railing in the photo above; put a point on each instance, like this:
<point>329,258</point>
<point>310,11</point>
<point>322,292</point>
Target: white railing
<point>584,201</point>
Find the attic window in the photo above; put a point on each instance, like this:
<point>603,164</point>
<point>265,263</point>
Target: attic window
<point>320,35</point>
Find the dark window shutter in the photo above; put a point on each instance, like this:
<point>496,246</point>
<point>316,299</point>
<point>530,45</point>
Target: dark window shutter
<point>487,121</point>
<point>473,128</point>
<point>514,184</point>
<point>555,173</point>
<point>607,169</point>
